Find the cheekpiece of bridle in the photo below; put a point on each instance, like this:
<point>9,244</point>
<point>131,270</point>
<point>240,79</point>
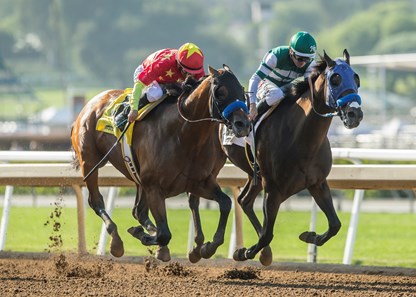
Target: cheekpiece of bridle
<point>221,113</point>
<point>218,113</point>
<point>333,99</point>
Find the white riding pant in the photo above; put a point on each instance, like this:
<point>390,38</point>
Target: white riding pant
<point>270,92</point>
<point>153,91</point>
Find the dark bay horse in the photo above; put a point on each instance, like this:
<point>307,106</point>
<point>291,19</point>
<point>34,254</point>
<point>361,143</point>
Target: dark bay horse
<point>177,150</point>
<point>294,153</point>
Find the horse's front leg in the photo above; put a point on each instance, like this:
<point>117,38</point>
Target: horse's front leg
<point>195,255</point>
<point>96,202</point>
<point>141,214</point>
<point>156,203</point>
<point>246,199</point>
<point>271,205</point>
<point>211,190</point>
<point>322,195</point>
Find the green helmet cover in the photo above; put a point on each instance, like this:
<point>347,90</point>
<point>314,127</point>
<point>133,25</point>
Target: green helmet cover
<point>303,44</point>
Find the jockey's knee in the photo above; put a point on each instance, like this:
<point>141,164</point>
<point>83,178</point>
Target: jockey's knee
<point>154,92</point>
<point>274,96</point>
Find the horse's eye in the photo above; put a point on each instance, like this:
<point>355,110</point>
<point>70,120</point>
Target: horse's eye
<point>335,79</point>
<point>221,93</point>
<point>357,79</point>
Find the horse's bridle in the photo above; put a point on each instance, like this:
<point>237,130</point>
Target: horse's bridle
<point>324,115</point>
<point>222,116</point>
<point>333,93</point>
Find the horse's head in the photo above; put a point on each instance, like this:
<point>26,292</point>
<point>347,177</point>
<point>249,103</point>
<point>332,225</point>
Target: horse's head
<point>227,101</point>
<point>342,85</point>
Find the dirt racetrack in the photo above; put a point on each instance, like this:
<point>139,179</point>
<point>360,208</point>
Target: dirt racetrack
<point>70,275</point>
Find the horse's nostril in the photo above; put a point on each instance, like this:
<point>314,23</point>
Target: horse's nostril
<point>238,124</point>
<point>351,114</point>
<point>241,128</point>
<point>241,124</point>
<point>355,114</point>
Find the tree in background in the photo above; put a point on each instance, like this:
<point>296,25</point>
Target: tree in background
<point>100,42</point>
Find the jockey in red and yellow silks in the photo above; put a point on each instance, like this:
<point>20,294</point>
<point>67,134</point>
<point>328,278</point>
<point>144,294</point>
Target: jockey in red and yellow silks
<point>164,66</point>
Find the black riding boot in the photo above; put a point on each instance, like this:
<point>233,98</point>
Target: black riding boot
<point>142,102</point>
<point>262,108</point>
<point>121,119</point>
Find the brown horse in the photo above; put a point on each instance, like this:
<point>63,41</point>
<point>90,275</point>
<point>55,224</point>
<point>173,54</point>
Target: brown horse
<point>294,153</point>
<point>177,150</point>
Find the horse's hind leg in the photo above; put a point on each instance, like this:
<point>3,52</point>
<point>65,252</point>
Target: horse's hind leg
<point>195,255</point>
<point>96,202</point>
<point>141,214</point>
<point>322,195</point>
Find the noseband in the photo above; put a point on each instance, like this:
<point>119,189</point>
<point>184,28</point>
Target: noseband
<point>334,100</point>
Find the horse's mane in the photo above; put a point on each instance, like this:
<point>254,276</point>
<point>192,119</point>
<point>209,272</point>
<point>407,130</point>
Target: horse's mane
<point>300,87</point>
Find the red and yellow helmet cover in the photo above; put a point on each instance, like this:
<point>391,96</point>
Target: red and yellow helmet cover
<point>191,58</point>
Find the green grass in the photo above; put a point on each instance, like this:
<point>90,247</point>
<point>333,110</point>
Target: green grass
<point>383,239</point>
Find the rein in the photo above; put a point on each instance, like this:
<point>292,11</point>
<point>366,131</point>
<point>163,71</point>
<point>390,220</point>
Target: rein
<point>324,115</point>
<point>211,119</point>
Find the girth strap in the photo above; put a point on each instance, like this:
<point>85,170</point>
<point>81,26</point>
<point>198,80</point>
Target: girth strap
<point>129,161</point>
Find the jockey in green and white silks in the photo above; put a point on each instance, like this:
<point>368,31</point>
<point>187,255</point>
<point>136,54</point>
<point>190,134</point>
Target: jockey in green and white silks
<point>279,67</point>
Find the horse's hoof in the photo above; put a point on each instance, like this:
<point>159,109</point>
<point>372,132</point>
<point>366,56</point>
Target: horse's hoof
<point>194,256</point>
<point>163,254</point>
<point>239,254</point>
<point>266,256</point>
<point>208,250</point>
<point>136,232</point>
<point>145,239</point>
<point>116,247</point>
<point>308,237</point>
<point>148,240</point>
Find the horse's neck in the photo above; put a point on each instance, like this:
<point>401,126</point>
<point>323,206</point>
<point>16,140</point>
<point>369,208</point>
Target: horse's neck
<point>195,108</point>
<point>314,128</point>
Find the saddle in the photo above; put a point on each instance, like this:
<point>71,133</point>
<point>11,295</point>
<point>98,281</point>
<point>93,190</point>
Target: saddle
<point>114,120</point>
<point>120,113</point>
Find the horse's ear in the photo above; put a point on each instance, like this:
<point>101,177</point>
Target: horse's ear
<point>331,63</point>
<point>213,71</point>
<point>227,68</point>
<point>346,56</point>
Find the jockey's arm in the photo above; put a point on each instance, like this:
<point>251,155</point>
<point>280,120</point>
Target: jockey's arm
<point>268,63</point>
<point>136,94</point>
<point>134,99</point>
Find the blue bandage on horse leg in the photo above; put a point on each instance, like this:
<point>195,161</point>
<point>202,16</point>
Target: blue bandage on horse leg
<point>233,107</point>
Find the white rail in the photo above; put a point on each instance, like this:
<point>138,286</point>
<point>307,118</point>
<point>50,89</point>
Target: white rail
<point>357,177</point>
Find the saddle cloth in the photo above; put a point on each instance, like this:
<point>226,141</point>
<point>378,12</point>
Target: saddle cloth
<point>106,122</point>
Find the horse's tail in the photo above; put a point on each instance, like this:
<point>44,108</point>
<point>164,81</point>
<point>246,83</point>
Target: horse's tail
<point>75,162</point>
